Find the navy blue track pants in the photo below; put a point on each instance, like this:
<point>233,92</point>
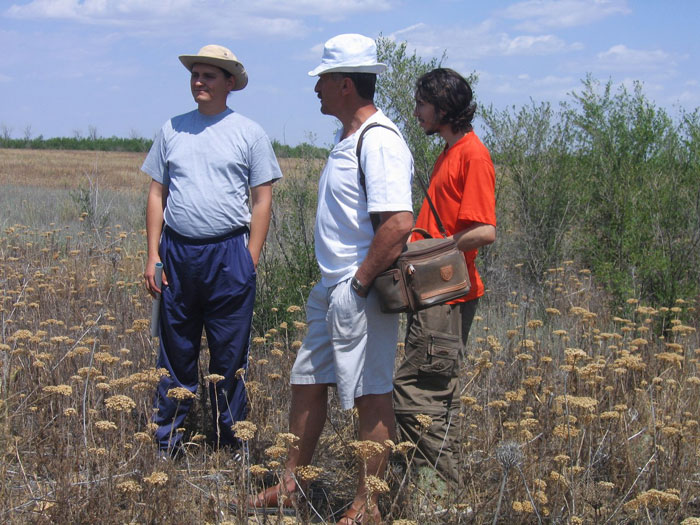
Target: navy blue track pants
<point>211,285</point>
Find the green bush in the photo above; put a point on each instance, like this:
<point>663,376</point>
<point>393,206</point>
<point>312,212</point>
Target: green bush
<point>538,195</point>
<point>610,180</point>
<point>287,267</point>
<point>642,226</point>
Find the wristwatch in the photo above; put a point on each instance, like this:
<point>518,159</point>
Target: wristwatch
<point>359,288</point>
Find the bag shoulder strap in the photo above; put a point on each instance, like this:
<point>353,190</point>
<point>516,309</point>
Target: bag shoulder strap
<point>440,226</point>
<point>373,217</point>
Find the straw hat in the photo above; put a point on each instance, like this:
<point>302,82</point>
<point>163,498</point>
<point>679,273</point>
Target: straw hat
<point>218,56</point>
<point>349,53</point>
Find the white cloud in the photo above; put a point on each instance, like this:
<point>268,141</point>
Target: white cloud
<point>278,17</point>
<point>335,10</point>
<point>538,15</point>
<point>533,45</point>
<point>521,87</point>
<point>478,42</point>
<point>688,98</point>
<point>161,17</point>
<point>620,58</point>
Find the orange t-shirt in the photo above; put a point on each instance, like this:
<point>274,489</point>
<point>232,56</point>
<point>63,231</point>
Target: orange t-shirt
<point>463,190</point>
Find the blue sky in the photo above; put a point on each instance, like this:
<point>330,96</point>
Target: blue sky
<point>70,65</point>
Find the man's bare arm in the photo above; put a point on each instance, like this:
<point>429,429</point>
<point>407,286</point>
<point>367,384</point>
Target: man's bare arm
<point>389,239</point>
<point>157,196</point>
<point>476,235</point>
<point>261,210</point>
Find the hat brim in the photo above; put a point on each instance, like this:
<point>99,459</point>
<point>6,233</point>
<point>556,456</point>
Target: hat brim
<point>232,66</point>
<point>323,68</point>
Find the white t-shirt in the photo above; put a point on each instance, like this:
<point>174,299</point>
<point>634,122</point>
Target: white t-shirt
<point>344,230</point>
<point>208,163</point>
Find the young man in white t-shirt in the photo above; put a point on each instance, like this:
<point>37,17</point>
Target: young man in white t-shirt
<point>350,343</point>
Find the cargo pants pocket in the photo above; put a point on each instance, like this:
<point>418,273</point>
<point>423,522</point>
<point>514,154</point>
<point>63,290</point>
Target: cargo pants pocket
<point>441,354</point>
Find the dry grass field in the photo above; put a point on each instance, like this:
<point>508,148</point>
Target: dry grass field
<point>63,169</point>
<point>571,412</point>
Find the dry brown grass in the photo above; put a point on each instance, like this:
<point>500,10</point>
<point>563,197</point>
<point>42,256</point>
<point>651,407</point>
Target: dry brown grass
<point>570,413</point>
<point>63,168</point>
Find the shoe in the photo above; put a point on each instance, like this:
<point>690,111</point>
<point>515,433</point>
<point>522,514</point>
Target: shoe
<point>272,501</point>
<point>361,516</point>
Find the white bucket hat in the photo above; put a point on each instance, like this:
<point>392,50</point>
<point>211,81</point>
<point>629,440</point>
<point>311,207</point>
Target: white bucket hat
<point>349,53</point>
<point>218,56</point>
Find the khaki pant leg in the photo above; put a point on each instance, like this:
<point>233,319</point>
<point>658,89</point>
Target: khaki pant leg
<point>427,382</point>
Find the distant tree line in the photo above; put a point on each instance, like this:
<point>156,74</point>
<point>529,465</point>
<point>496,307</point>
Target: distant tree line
<point>300,151</point>
<point>135,144</point>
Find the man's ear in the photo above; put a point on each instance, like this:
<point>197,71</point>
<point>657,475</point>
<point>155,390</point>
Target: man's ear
<point>347,86</point>
<point>231,83</point>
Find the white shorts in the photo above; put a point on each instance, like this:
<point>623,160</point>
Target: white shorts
<point>349,343</point>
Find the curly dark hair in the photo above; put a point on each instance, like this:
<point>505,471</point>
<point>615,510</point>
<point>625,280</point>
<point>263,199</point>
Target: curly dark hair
<point>451,94</point>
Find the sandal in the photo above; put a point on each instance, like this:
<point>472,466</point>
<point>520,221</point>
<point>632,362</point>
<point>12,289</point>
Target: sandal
<point>353,516</point>
<point>272,501</point>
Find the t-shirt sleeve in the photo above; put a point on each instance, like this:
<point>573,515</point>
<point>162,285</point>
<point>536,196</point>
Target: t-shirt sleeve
<point>388,167</point>
<point>479,196</point>
<point>156,165</point>
<point>263,162</point>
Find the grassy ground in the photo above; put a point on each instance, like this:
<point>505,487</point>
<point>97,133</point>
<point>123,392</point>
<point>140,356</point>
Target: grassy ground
<point>571,413</point>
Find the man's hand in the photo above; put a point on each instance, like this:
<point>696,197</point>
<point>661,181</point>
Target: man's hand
<point>150,276</point>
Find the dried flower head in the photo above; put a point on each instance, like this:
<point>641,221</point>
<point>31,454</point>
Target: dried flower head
<point>308,472</point>
<point>63,390</point>
<point>244,430</point>
<point>376,485</point>
<point>424,421</point>
<point>105,425</point>
<point>214,378</point>
<point>157,479</point>
<point>404,447</point>
<point>120,403</point>
<point>275,452</point>
<point>142,437</point>
<point>258,470</point>
<point>367,449</point>
<point>129,487</point>
<point>286,439</point>
<point>180,393</point>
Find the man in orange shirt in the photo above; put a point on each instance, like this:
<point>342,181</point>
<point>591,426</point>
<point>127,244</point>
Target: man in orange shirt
<point>462,188</point>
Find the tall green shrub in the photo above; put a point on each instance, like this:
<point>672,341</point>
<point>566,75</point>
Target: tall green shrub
<point>642,224</point>
<point>288,267</point>
<point>538,198</point>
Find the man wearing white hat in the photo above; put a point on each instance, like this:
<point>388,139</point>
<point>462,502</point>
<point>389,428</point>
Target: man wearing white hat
<point>350,343</point>
<point>207,217</point>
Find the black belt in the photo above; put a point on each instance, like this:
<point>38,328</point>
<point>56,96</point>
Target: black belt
<point>206,240</point>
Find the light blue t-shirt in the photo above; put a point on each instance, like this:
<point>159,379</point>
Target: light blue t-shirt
<point>208,164</point>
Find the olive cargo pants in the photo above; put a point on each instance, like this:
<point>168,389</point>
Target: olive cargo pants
<point>427,382</point>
